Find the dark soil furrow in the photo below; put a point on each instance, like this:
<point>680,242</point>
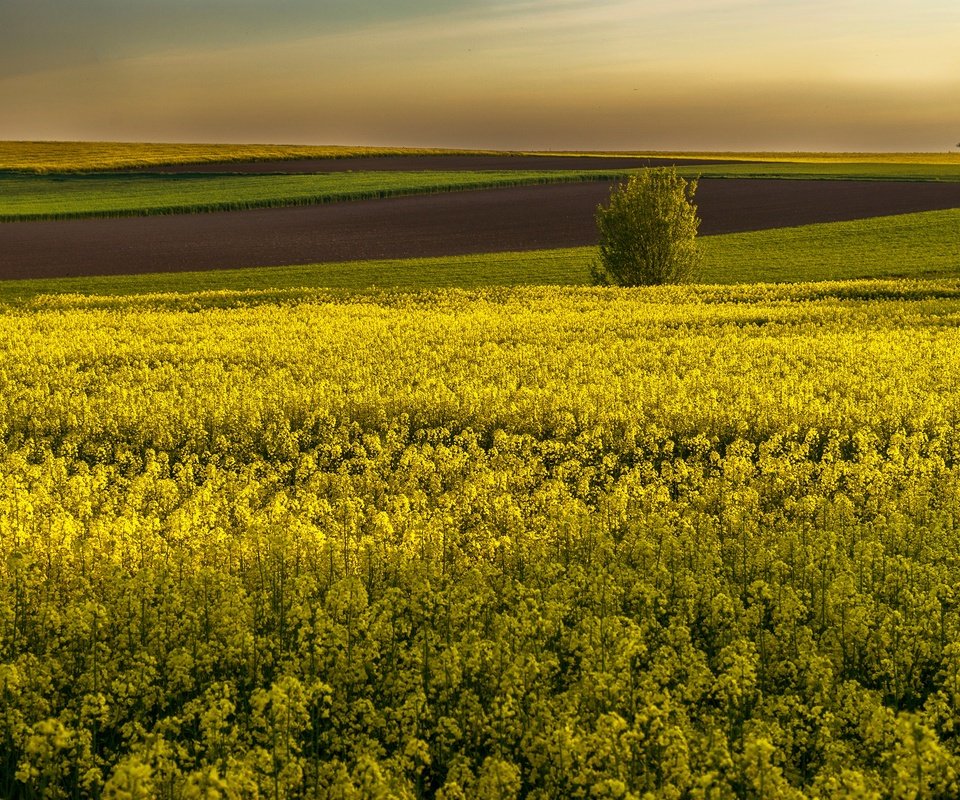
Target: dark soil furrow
<point>490,220</point>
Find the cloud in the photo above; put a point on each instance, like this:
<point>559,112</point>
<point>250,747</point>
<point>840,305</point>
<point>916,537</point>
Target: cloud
<point>43,34</point>
<point>563,73</point>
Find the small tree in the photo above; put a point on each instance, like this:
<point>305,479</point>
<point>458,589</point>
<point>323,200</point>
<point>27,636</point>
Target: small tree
<point>648,232</point>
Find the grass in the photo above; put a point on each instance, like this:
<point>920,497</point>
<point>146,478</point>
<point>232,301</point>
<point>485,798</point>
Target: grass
<point>30,197</point>
<point>84,156</point>
<point>924,245</point>
<point>919,246</point>
<point>96,195</point>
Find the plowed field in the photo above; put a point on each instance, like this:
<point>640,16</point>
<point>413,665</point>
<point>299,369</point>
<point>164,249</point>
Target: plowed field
<point>515,218</point>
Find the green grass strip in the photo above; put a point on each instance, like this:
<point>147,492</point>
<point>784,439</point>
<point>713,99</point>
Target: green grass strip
<point>24,198</point>
<point>924,245</point>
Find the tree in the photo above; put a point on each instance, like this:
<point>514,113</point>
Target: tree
<point>648,232</point>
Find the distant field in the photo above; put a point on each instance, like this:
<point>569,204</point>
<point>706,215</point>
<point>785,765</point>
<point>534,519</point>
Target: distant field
<point>27,197</point>
<point>61,197</point>
<point>905,171</point>
<point>945,158</point>
<point>81,156</point>
<point>84,156</point>
<point>907,246</point>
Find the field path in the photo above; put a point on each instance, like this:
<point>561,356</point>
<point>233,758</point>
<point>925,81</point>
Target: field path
<point>489,220</point>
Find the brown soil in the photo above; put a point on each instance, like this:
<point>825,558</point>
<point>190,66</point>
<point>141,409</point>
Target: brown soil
<point>490,220</point>
<point>422,163</point>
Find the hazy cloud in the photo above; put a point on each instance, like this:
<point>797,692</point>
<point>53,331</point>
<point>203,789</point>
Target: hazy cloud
<point>503,73</point>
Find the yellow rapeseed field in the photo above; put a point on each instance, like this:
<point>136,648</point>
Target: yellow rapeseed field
<point>683,543</point>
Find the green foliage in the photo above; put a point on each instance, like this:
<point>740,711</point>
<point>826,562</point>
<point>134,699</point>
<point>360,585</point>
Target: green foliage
<point>648,232</point>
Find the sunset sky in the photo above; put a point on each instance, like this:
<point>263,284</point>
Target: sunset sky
<point>531,74</point>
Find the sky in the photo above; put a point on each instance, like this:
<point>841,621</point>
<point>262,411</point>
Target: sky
<point>507,74</point>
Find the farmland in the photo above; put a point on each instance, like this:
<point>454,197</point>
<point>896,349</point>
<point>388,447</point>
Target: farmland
<point>513,218</point>
<point>106,195</point>
<point>794,157</point>
<point>562,541</point>
<point>67,157</point>
<point>459,525</point>
<point>903,246</point>
<point>25,196</point>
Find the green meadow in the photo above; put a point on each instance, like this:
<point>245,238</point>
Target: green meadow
<point>34,197</point>
<point>63,196</point>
